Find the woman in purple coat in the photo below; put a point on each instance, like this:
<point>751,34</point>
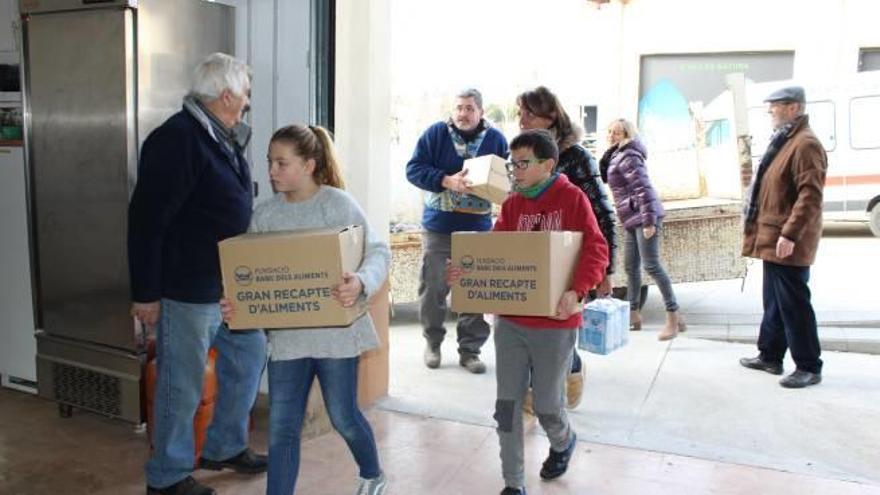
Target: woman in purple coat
<point>641,213</point>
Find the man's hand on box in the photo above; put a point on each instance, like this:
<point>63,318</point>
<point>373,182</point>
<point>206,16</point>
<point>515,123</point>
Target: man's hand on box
<point>568,305</point>
<point>349,290</point>
<point>147,313</point>
<point>458,182</point>
<point>227,309</point>
<point>453,273</point>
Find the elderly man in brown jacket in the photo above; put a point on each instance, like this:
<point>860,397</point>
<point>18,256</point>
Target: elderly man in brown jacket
<point>783,224</point>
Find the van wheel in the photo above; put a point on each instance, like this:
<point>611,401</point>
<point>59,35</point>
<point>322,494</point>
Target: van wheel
<point>875,220</point>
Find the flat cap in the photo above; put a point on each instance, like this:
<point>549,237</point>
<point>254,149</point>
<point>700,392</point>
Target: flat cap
<point>793,94</point>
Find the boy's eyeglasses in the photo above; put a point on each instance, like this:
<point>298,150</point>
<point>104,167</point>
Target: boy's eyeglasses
<point>521,164</point>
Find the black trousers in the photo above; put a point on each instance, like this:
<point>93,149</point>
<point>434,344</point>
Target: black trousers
<point>789,320</point>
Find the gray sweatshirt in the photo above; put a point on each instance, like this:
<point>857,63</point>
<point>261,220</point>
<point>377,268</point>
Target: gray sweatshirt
<point>329,207</point>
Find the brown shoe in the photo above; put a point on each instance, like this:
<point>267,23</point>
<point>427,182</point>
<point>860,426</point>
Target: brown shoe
<point>528,405</point>
<point>670,329</point>
<point>528,411</point>
<point>635,320</point>
<point>574,387</point>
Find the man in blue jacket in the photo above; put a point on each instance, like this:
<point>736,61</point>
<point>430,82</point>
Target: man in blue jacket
<point>194,189</point>
<point>436,167</point>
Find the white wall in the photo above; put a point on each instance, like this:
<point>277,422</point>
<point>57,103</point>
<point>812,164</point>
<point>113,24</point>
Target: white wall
<point>363,103</point>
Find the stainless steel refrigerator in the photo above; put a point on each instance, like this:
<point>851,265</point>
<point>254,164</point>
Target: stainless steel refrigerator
<point>98,77</point>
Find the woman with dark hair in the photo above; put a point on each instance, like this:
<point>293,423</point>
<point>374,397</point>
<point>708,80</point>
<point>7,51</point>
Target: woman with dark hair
<point>641,213</point>
<point>540,109</point>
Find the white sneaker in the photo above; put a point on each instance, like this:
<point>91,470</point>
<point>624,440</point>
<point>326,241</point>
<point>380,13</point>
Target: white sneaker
<point>374,486</point>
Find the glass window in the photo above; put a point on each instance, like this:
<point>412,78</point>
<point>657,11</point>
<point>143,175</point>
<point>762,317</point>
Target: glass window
<point>323,53</point>
<point>717,133</point>
<point>869,59</point>
<point>864,119</point>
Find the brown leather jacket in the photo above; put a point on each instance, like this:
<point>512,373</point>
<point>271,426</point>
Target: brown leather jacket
<point>790,200</point>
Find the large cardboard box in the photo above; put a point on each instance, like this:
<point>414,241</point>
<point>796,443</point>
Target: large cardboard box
<point>284,279</point>
<point>489,177</point>
<point>513,273</point>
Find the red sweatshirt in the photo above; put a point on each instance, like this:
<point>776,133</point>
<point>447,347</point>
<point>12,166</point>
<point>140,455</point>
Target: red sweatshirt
<point>563,206</point>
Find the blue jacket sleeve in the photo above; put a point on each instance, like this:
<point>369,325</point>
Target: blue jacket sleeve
<point>503,148</point>
<point>421,170</point>
<point>167,175</point>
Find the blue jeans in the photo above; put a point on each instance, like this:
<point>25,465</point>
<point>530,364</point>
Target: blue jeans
<point>789,320</point>
<point>183,336</point>
<point>289,385</point>
<point>638,251</point>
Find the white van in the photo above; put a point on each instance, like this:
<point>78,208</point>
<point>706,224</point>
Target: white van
<point>845,118</point>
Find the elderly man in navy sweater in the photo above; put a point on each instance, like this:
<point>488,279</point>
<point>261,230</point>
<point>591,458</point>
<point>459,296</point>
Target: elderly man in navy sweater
<point>194,189</point>
<point>436,167</point>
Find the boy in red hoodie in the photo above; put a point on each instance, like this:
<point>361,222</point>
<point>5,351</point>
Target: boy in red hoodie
<point>538,346</point>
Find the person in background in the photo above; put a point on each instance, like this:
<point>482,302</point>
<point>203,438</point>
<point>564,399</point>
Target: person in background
<point>539,108</point>
<point>533,348</point>
<point>194,189</point>
<point>641,213</point>
<point>307,179</point>
<point>436,167</point>
<point>783,225</point>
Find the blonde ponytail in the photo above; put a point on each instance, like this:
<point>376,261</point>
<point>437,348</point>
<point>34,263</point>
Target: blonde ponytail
<point>331,173</point>
<point>314,142</point>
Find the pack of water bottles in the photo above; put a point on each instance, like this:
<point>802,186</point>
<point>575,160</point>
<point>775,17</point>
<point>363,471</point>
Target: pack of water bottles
<point>605,326</point>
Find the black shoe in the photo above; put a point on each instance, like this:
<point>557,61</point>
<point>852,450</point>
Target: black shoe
<point>246,462</point>
<point>756,363</point>
<point>513,491</point>
<point>801,379</point>
<point>557,462</point>
<point>472,363</point>
<point>186,486</point>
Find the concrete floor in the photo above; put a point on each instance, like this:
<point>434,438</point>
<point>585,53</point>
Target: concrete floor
<point>41,453</point>
<point>688,397</point>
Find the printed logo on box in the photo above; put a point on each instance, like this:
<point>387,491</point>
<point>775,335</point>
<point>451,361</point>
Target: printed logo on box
<point>467,262</point>
<point>243,275</point>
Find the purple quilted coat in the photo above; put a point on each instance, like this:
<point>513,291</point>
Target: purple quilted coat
<point>635,200</point>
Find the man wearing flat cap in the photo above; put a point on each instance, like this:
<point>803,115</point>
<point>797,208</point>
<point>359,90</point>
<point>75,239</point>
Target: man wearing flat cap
<point>783,224</point>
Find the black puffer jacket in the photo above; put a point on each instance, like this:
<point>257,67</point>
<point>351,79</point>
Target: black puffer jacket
<point>582,170</point>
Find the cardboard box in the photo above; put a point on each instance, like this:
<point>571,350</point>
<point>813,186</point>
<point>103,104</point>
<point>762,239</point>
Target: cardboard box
<point>284,279</point>
<point>605,327</point>
<point>513,273</point>
<point>489,177</point>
